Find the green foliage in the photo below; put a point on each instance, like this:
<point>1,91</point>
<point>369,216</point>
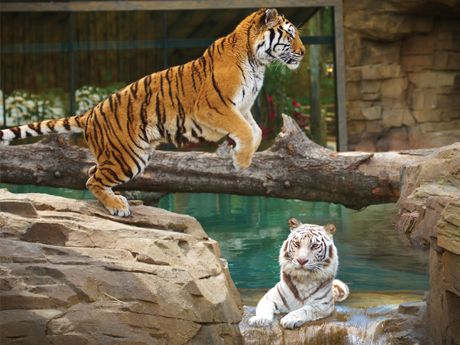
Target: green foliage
<point>22,107</point>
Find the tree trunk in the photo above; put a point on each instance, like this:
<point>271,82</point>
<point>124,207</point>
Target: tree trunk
<point>294,168</point>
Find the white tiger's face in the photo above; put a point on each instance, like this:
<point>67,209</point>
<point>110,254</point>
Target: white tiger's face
<point>279,41</point>
<point>309,247</point>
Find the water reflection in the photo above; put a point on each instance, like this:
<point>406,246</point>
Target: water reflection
<point>251,230</point>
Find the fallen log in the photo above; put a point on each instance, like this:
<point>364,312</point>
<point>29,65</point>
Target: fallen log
<point>294,167</point>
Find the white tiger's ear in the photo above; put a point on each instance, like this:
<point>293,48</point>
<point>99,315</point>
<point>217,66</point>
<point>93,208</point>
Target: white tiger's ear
<point>293,223</point>
<point>330,229</point>
<point>270,17</point>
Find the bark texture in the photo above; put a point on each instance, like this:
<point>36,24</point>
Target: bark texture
<point>293,167</point>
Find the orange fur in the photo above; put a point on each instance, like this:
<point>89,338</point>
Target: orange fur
<point>206,98</point>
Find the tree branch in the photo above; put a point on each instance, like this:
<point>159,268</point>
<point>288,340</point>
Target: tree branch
<point>293,167</point>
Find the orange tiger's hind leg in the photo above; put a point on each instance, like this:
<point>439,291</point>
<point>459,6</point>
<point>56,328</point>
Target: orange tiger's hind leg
<point>105,176</point>
<point>117,205</point>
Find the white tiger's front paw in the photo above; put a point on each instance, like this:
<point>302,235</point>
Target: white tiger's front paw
<point>290,321</point>
<point>259,321</point>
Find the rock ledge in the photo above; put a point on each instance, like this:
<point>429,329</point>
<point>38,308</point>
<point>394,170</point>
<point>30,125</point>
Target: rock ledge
<point>72,274</point>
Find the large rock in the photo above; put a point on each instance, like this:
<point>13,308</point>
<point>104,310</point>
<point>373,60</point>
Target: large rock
<point>385,324</point>
<point>430,216</point>
<point>71,274</point>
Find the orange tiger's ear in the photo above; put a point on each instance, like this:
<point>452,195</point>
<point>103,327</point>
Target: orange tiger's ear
<point>293,223</point>
<point>269,18</point>
<point>330,228</point>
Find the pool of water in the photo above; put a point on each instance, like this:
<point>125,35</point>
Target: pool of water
<point>250,231</point>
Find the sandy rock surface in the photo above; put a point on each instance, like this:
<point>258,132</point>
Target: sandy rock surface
<point>72,274</point>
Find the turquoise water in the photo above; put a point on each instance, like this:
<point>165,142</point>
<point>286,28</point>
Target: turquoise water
<point>250,231</point>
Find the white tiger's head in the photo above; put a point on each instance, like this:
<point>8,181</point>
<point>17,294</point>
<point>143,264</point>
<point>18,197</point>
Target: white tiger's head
<point>276,39</point>
<point>309,248</point>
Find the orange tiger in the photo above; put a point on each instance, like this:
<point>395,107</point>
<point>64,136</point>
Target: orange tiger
<point>204,99</point>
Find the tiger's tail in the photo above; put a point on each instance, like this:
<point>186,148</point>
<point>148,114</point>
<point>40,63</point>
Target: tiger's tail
<point>340,290</point>
<point>73,124</point>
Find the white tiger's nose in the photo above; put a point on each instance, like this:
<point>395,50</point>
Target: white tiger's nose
<point>302,261</point>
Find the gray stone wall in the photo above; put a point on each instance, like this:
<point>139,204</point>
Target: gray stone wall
<point>402,73</point>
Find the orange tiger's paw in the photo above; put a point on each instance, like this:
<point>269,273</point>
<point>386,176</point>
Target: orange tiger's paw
<point>241,162</point>
<point>118,206</point>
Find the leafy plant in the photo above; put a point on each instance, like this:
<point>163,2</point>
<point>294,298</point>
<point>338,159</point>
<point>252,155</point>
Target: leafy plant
<point>88,96</point>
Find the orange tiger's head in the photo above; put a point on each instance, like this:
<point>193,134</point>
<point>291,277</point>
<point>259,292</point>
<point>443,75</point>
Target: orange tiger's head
<point>275,39</point>
<point>309,248</point>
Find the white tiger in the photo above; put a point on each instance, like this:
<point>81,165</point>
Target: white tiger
<point>307,289</point>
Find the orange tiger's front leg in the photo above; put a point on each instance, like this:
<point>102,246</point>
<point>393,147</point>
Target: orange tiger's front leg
<point>230,121</point>
<point>244,149</point>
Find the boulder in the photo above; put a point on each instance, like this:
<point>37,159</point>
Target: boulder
<point>430,216</point>
<point>72,274</point>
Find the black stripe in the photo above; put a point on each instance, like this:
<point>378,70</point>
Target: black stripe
<point>242,72</point>
<point>195,68</point>
<point>161,86</point>
<point>16,131</point>
<point>194,134</point>
<point>120,160</point>
<point>144,106</point>
<point>168,137</point>
<point>134,87</point>
<point>192,67</point>
<point>111,103</point>
<point>169,84</point>
<point>36,128</point>
<point>233,40</point>
<point>212,107</point>
<point>203,60</point>
<point>77,121</point>
<point>95,138</point>
<point>100,181</point>
<point>115,112</point>
<point>126,145</point>
<point>181,78</point>
<point>65,122</point>
<point>214,84</point>
<point>271,38</point>
<point>179,137</point>
<point>177,85</point>
<point>197,126</point>
<point>114,177</point>
<point>160,127</point>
